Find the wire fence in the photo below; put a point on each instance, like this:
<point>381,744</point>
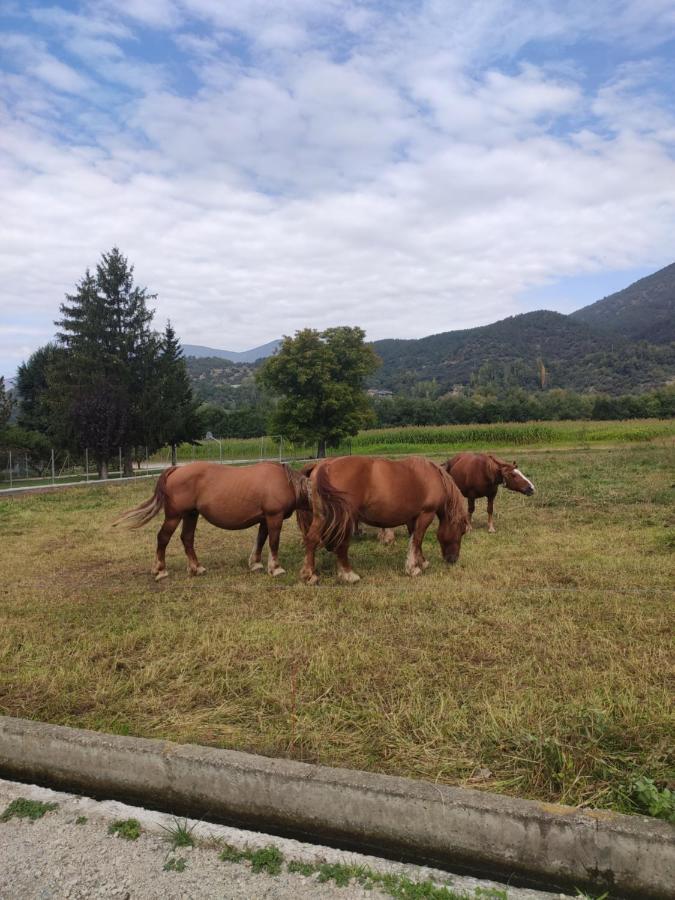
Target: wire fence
<point>22,469</point>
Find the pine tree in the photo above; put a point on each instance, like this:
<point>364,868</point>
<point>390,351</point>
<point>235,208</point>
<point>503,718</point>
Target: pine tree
<point>179,410</point>
<point>98,379</point>
<point>5,404</point>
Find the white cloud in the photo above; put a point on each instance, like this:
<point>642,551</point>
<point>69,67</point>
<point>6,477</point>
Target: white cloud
<point>400,170</point>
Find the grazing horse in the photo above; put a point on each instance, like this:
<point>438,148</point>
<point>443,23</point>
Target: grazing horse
<point>385,536</point>
<point>383,493</point>
<point>480,474</point>
<point>234,498</point>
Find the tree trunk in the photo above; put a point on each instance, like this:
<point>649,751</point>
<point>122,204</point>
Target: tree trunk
<point>174,455</point>
<point>103,468</point>
<point>128,462</point>
<point>321,451</point>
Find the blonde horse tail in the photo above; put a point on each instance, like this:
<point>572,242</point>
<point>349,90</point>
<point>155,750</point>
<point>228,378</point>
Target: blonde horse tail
<point>141,515</point>
<point>338,518</point>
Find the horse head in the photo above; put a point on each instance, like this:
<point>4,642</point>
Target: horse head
<point>453,520</point>
<point>514,480</point>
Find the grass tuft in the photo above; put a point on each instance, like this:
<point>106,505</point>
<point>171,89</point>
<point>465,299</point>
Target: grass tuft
<point>129,829</point>
<point>26,809</point>
<point>179,834</point>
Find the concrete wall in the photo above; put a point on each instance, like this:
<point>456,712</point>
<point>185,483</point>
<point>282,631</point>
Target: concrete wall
<point>540,844</point>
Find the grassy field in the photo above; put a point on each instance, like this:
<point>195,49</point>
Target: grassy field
<point>439,439</point>
<point>540,666</point>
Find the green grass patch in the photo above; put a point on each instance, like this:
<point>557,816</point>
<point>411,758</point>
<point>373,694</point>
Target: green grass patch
<point>81,820</point>
<point>543,658</point>
<point>267,859</point>
<point>175,864</point>
<point>26,809</point>
<point>439,439</point>
<point>129,829</point>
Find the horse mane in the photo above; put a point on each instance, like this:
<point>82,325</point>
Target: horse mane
<point>454,499</point>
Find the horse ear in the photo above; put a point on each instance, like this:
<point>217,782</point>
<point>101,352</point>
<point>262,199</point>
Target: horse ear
<point>515,464</point>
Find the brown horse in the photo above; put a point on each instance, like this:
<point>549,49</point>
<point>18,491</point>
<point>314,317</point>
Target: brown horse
<point>234,498</point>
<point>480,474</point>
<point>385,536</point>
<point>383,493</point>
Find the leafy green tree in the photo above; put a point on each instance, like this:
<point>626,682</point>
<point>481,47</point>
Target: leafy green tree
<point>319,380</point>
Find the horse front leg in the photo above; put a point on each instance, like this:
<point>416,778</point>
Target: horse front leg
<point>344,567</point>
<point>415,562</point>
<point>491,517</point>
<point>163,538</point>
<point>274,524</point>
<point>187,536</point>
<point>255,559</point>
<point>472,507</point>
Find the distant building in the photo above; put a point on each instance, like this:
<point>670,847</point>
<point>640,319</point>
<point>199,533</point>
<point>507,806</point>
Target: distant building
<point>376,392</point>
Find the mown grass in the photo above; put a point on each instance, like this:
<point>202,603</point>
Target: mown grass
<point>540,666</point>
<point>438,439</point>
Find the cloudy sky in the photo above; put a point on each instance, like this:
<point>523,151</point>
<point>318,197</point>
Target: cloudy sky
<point>408,166</point>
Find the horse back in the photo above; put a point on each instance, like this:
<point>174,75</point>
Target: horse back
<point>475,474</point>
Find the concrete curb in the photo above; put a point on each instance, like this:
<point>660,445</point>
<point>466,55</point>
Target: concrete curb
<point>539,844</point>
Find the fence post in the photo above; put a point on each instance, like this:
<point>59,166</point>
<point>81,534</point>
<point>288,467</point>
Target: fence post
<point>26,462</point>
<point>120,456</point>
<point>53,468</point>
<point>86,463</point>
<point>281,444</point>
<point>10,467</point>
<point>261,447</point>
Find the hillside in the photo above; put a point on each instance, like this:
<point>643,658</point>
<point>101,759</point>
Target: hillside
<point>644,311</point>
<point>524,351</point>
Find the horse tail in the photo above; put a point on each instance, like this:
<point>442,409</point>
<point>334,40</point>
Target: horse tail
<point>304,518</point>
<point>141,515</point>
<point>333,504</point>
<point>450,463</point>
<point>454,507</point>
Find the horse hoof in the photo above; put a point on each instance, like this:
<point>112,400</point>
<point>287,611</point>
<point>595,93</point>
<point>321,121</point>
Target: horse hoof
<point>492,531</point>
<point>199,570</point>
<point>386,536</point>
<point>161,574</point>
<point>256,567</point>
<point>349,577</point>
<point>425,564</point>
<point>414,572</point>
<point>277,571</point>
<point>312,580</point>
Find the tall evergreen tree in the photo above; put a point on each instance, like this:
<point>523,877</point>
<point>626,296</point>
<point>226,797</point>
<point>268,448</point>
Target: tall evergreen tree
<point>5,404</point>
<point>180,421</point>
<point>32,387</point>
<point>106,338</point>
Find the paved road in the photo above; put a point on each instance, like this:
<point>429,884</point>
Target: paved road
<point>69,853</point>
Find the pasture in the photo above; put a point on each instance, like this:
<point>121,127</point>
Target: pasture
<point>539,666</point>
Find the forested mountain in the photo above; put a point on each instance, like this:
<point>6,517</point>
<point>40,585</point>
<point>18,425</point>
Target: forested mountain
<point>535,350</point>
<point>624,343</point>
<point>645,310</point>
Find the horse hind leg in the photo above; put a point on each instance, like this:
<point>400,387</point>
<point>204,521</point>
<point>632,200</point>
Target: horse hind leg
<point>187,536</point>
<point>274,524</point>
<point>491,514</point>
<point>163,537</point>
<point>255,559</point>
<point>344,567</point>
